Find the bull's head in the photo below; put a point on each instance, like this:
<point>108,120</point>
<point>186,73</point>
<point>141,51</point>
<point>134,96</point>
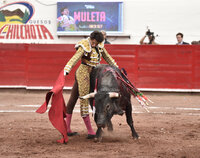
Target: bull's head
<point>106,104</point>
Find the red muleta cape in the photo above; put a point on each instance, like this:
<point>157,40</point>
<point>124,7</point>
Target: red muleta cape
<point>57,112</point>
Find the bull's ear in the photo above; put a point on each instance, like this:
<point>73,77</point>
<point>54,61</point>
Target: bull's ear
<point>113,95</point>
<point>90,95</point>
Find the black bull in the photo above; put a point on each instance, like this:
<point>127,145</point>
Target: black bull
<point>109,96</point>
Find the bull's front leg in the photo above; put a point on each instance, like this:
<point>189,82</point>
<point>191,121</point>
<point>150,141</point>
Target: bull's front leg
<point>129,120</point>
<point>98,137</point>
<point>110,126</point>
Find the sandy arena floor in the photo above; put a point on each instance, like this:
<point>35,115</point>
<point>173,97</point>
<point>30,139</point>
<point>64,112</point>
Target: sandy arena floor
<point>170,129</point>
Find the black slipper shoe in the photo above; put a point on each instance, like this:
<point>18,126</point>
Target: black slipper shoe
<point>72,134</point>
<point>90,136</point>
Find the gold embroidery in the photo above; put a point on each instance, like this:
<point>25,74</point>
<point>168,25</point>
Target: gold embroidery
<point>83,79</point>
<point>91,57</point>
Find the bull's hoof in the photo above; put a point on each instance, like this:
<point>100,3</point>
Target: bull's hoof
<point>90,136</point>
<point>72,134</point>
<point>96,140</point>
<point>136,137</point>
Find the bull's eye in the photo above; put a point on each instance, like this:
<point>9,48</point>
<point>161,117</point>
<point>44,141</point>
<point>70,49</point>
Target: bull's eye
<point>107,107</point>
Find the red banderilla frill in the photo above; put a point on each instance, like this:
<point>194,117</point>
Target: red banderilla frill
<point>140,97</point>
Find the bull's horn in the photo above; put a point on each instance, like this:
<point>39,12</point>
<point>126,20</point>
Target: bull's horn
<point>90,95</point>
<point>113,94</point>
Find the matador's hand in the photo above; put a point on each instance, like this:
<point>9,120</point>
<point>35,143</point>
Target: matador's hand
<point>65,72</point>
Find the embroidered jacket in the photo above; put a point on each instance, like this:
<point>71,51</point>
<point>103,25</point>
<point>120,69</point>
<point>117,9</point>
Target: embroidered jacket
<point>88,55</point>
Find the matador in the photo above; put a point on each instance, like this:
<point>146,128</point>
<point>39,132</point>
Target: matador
<point>89,51</point>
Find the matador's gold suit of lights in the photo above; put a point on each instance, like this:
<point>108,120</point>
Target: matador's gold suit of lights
<point>90,57</point>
